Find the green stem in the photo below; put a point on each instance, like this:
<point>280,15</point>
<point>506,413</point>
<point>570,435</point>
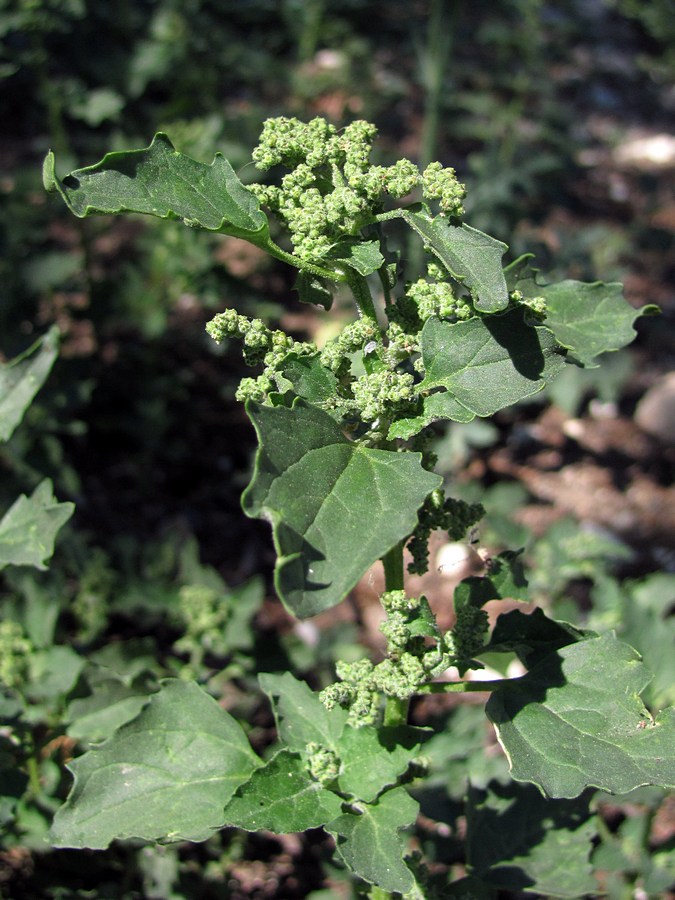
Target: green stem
<point>362,296</point>
<point>395,710</point>
<point>465,687</point>
<point>393,568</point>
<point>273,249</point>
<point>34,779</point>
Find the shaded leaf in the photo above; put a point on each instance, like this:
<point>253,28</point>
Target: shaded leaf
<point>469,255</point>
<point>312,289</point>
<point>518,840</point>
<point>53,672</point>
<point>576,720</point>
<point>22,378</point>
<point>165,776</point>
<point>369,843</point>
<point>308,378</point>
<point>532,636</point>
<point>488,363</point>
<point>282,797</point>
<point>29,527</point>
<point>335,506</point>
<point>160,181</point>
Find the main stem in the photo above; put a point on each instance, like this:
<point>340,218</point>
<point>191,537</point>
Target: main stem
<point>395,710</point>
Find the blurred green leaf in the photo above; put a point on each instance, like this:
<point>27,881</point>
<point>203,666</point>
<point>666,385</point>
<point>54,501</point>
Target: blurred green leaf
<point>29,527</point>
<point>22,378</point>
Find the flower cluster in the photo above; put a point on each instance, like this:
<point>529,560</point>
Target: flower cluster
<point>467,636</point>
<point>323,763</point>
<point>440,512</point>
<point>383,393</point>
<point>437,298</point>
<point>261,345</point>
<point>15,652</point>
<point>332,190</point>
<point>410,662</point>
<point>535,307</point>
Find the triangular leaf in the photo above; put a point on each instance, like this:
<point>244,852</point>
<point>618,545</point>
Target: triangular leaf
<point>488,363</point>
<point>587,319</point>
<point>165,776</point>
<point>160,181</point>
<point>282,797</point>
<point>576,720</point>
<point>518,840</point>
<point>29,527</point>
<point>369,843</point>
<point>336,507</point>
<point>469,255</point>
<point>22,378</point>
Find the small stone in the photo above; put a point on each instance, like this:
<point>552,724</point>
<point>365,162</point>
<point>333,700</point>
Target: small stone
<point>655,413</point>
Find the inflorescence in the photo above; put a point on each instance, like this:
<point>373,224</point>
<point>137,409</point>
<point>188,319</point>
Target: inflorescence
<point>333,190</point>
<point>416,654</point>
<point>330,194</point>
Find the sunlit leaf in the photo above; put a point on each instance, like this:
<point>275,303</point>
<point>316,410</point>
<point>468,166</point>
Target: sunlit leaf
<point>335,506</point>
<point>576,720</point>
<point>165,776</point>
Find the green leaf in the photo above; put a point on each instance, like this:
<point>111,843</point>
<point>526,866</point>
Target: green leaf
<point>312,289</point>
<point>299,714</point>
<point>518,840</point>
<point>505,578</point>
<point>335,506</point>
<point>373,759</point>
<point>369,843</point>
<point>532,637</point>
<point>469,255</point>
<point>28,528</point>
<point>362,256</point>
<point>53,672</point>
<point>111,705</point>
<point>441,405</point>
<point>282,797</point>
<point>576,720</point>
<point>165,776</point>
<point>588,319</point>
<point>308,379</point>
<point>488,363</point>
<point>160,181</point>
<point>641,614</point>
<point>22,378</point>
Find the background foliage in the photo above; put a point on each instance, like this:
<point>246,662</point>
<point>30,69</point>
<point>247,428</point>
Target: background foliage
<point>157,572</point>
